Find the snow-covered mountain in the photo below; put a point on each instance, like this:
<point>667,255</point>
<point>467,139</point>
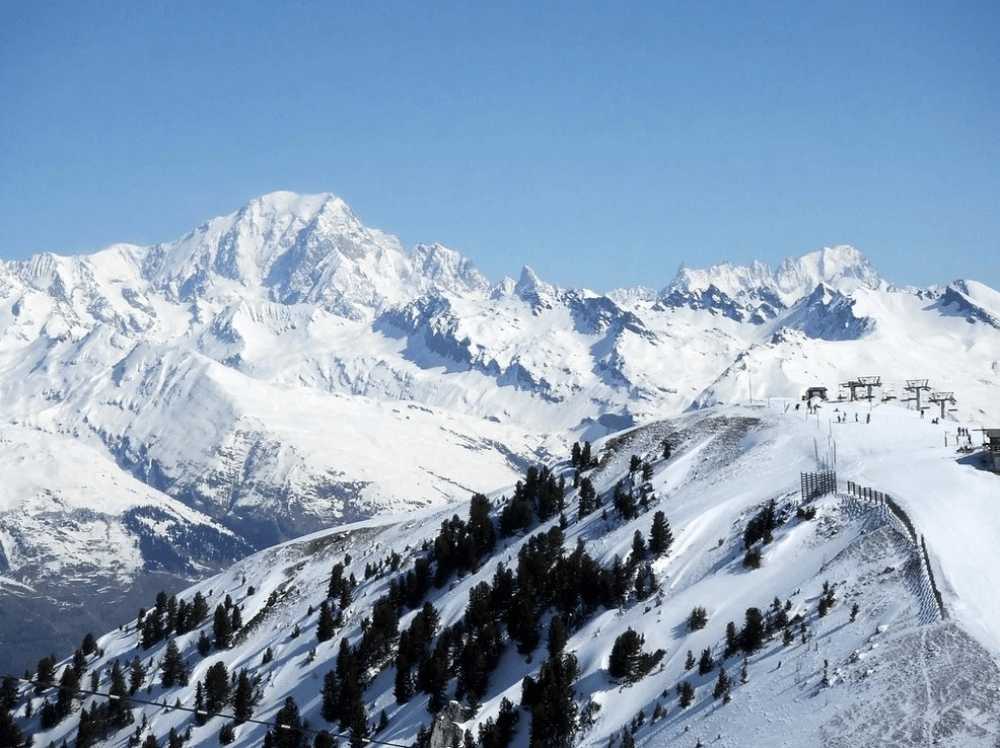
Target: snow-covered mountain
<point>856,612</point>
<point>285,369</point>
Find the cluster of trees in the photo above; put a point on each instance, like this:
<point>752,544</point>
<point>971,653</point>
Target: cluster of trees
<point>170,616</point>
<point>548,583</point>
<point>581,457</point>
<point>538,498</point>
<point>549,699</point>
<point>218,691</point>
<point>760,529</point>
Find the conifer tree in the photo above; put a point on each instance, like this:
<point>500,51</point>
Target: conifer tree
<point>706,664</point>
<point>199,611</point>
<point>243,699</point>
<point>136,675</point>
<point>204,645</point>
<point>173,671</point>
<point>660,537</point>
<point>45,674</point>
<point>330,708</point>
<point>119,705</point>
<point>480,525</point>
<point>722,685</point>
<point>287,732</point>
<point>79,662</point>
<point>89,644</point>
<point>216,688</point>
<point>222,628</point>
<point>236,619</point>
<point>588,498</point>
<point>10,733</point>
<point>550,700</point>
<point>626,652</point>
<point>685,694</point>
<point>69,689</point>
<point>638,548</point>
<point>326,625</point>
<point>752,635</point>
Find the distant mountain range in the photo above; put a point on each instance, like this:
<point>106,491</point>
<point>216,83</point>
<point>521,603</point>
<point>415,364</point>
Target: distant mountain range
<point>166,410</point>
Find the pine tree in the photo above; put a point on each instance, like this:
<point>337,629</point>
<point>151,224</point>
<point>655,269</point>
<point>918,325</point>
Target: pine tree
<point>660,537</point>
<point>698,618</point>
<point>732,640</point>
<point>722,685</point>
<point>136,675</point>
<point>236,619</point>
<point>550,700</point>
<point>79,662</point>
<point>45,674</point>
<point>287,731</point>
<point>689,661</point>
<point>204,645</point>
<point>330,709</point>
<point>119,705</point>
<point>227,734</point>
<point>558,637</point>
<point>222,628</point>
<point>706,664</point>
<point>173,671</point>
<point>588,498</point>
<point>89,644</point>
<point>216,688</point>
<point>685,693</point>
<point>752,635</point>
<point>69,689</point>
<point>198,612</point>
<point>638,548</point>
<point>326,626</point>
<point>623,662</point>
<point>480,526</point>
<point>243,699</point>
<point>324,739</point>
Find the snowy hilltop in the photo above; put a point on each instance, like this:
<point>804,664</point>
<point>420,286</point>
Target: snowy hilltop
<point>285,369</point>
<point>806,576</point>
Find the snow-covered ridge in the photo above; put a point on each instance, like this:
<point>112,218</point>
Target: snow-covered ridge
<point>855,646</point>
<point>842,268</point>
<point>286,368</point>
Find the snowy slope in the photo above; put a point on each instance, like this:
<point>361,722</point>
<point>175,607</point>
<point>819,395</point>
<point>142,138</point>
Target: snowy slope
<point>286,368</point>
<point>897,671</point>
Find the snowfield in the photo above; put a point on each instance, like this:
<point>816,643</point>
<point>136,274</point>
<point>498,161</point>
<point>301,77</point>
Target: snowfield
<point>899,674</point>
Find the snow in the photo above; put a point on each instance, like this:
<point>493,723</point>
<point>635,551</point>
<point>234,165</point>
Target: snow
<point>848,682</point>
<point>286,367</point>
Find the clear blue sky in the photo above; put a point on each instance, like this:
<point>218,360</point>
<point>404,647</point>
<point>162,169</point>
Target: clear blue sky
<point>602,143</point>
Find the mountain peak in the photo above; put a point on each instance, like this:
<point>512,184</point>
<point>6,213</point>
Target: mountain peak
<point>284,201</point>
<point>534,290</point>
<point>843,268</point>
<point>444,267</point>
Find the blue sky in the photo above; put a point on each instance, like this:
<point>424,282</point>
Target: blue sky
<point>601,143</point>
